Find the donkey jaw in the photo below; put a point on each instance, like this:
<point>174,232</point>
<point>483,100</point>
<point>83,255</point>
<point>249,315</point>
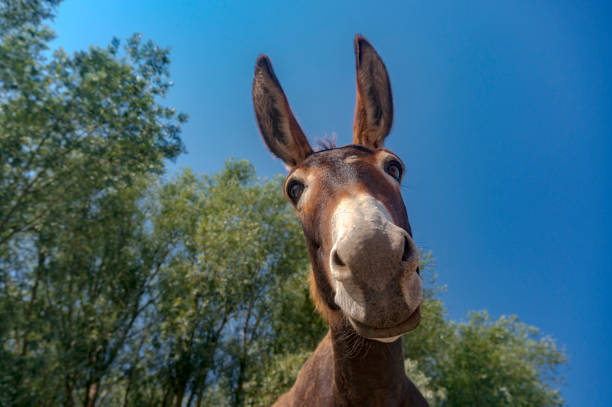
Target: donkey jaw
<point>383,327</point>
<point>387,335</point>
<point>373,268</point>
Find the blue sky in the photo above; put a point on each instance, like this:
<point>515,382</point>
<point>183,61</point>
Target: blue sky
<point>503,118</point>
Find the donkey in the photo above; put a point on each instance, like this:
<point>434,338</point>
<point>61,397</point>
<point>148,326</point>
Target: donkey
<point>365,278</point>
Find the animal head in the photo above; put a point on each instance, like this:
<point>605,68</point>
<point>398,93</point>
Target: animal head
<point>348,199</point>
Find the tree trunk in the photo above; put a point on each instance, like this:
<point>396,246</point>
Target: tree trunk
<point>28,313</point>
<point>128,387</point>
<point>69,399</point>
<point>91,394</point>
<point>190,400</point>
<point>180,394</point>
<point>239,392</point>
<point>199,401</point>
<point>167,397</point>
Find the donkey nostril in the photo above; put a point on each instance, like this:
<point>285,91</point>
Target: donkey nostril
<point>337,260</point>
<point>406,254</point>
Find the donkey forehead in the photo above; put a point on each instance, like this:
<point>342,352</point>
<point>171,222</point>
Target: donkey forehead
<point>338,173</point>
<point>339,166</point>
<point>331,175</point>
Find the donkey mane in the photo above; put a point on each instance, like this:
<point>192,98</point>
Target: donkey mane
<point>326,143</point>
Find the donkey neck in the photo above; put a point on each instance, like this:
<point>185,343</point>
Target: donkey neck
<point>367,372</point>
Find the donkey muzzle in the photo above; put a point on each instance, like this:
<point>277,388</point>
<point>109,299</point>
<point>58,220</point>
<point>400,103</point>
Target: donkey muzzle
<point>373,264</point>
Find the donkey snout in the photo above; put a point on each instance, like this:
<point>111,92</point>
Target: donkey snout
<point>373,254</point>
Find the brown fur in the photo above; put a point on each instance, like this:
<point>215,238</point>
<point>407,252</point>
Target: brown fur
<point>368,373</point>
<point>279,127</point>
<point>346,369</point>
<point>374,107</point>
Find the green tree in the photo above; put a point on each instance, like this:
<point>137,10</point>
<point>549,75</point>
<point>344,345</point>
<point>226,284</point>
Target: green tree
<point>80,137</point>
<point>92,284</point>
<point>68,120</point>
<point>235,242</point>
<point>480,362</point>
<point>295,329</point>
<point>500,363</point>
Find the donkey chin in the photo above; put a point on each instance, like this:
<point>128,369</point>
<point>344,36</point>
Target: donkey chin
<point>374,270</point>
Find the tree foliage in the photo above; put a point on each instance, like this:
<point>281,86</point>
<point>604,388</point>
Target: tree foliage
<point>481,362</point>
<point>235,243</point>
<point>75,124</point>
<point>80,138</point>
<point>119,287</point>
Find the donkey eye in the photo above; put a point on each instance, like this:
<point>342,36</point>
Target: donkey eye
<point>394,169</point>
<point>294,190</point>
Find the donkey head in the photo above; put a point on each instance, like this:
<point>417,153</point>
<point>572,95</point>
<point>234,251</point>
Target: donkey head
<point>365,262</point>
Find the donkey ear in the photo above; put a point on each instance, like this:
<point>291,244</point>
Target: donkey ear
<point>279,128</point>
<point>374,109</point>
